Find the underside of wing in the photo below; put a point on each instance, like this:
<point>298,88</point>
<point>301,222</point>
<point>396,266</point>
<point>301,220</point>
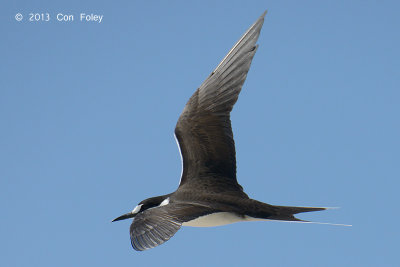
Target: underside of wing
<point>204,131</point>
<point>157,225</point>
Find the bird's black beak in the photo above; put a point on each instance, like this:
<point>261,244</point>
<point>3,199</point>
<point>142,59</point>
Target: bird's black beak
<point>125,216</point>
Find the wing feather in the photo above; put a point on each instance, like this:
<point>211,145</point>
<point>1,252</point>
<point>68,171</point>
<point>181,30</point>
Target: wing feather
<point>204,131</point>
<point>155,226</point>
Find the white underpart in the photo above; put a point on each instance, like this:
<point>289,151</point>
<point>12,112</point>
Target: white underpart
<point>219,218</point>
<point>223,218</point>
<point>180,153</point>
<point>165,202</point>
<point>136,209</point>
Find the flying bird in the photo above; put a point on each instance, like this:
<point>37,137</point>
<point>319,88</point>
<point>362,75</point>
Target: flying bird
<point>208,193</point>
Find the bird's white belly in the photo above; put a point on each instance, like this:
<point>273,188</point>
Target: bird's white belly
<point>217,219</point>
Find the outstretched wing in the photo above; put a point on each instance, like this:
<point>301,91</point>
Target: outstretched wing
<point>154,226</point>
<point>204,131</point>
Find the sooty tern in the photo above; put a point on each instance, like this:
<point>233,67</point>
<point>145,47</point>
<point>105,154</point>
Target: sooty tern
<point>208,193</point>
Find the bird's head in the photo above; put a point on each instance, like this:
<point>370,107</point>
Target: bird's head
<point>144,205</point>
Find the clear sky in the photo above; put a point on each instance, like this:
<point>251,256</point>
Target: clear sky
<point>88,109</point>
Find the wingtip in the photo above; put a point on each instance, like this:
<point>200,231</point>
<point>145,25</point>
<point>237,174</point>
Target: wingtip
<point>261,18</point>
<point>265,13</point>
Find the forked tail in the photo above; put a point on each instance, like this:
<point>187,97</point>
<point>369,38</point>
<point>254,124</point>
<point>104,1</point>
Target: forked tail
<point>286,213</point>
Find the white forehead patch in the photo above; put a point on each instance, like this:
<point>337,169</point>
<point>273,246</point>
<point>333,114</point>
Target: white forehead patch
<point>165,202</point>
<point>136,209</point>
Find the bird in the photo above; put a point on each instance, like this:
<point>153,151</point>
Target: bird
<point>208,193</point>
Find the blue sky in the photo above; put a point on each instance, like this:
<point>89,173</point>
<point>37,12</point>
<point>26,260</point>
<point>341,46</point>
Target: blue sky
<point>88,110</point>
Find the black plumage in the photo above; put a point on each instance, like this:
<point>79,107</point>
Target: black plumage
<point>208,183</point>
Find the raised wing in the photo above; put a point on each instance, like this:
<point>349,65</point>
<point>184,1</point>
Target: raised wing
<point>157,225</point>
<point>204,131</point>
